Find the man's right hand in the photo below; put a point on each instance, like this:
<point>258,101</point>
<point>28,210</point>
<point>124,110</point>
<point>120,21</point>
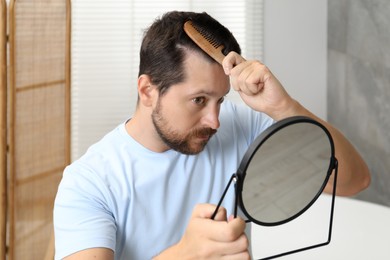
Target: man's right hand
<point>205,238</point>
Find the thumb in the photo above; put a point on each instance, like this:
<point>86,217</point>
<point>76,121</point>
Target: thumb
<point>221,214</point>
<point>230,61</point>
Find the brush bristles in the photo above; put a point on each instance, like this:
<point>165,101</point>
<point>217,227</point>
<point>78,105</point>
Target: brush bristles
<point>205,41</point>
<point>207,35</point>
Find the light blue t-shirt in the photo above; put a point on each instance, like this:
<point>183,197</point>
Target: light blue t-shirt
<point>122,196</point>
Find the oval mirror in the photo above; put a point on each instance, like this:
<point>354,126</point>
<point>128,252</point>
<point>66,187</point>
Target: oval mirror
<point>283,173</point>
<point>285,170</point>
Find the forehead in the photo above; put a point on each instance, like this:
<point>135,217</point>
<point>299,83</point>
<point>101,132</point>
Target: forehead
<point>204,76</point>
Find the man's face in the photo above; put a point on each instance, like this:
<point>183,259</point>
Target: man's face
<point>186,116</point>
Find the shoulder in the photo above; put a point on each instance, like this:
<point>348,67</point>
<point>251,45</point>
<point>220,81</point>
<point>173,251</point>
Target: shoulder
<point>100,167</point>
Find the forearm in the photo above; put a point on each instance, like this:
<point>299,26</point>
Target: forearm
<point>353,173</point>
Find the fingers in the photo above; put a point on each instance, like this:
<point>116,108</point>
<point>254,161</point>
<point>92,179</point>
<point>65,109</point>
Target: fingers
<point>224,239</point>
<point>248,77</point>
<point>218,238</point>
<point>207,210</point>
<point>233,248</point>
<point>257,86</point>
<point>245,78</point>
<point>219,228</point>
<point>225,231</point>
<point>230,61</point>
<point>239,256</point>
<point>237,249</point>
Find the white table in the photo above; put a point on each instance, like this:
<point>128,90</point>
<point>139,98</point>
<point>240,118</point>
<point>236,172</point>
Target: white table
<point>361,231</point>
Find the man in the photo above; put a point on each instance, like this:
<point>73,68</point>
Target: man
<point>149,187</point>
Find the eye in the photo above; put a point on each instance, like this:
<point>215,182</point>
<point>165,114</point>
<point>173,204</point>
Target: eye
<point>199,100</point>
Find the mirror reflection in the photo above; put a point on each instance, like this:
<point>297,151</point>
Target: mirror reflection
<point>286,174</point>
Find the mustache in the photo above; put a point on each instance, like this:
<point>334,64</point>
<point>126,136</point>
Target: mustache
<point>204,132</point>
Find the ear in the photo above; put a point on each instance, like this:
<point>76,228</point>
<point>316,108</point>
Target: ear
<point>146,91</point>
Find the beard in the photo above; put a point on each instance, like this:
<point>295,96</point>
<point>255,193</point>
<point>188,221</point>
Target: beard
<point>189,143</point>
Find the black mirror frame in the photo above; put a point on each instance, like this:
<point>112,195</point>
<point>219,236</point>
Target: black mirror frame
<point>257,143</point>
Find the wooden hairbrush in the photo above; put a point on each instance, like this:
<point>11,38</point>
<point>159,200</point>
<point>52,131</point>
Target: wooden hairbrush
<point>205,41</point>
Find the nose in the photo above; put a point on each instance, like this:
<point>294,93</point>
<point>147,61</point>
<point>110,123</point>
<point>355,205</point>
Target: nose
<point>211,117</point>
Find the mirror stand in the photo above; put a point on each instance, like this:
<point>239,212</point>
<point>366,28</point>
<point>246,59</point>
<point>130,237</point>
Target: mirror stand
<point>334,162</point>
<point>232,179</point>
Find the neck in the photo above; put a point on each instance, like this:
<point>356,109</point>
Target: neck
<point>141,128</point>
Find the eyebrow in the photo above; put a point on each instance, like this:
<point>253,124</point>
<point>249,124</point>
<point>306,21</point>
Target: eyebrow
<point>209,93</point>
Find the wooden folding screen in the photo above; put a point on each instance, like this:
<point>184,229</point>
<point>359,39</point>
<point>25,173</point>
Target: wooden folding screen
<point>3,127</point>
<point>39,131</point>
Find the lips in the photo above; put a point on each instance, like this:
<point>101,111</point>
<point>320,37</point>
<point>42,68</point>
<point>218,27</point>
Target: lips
<point>203,137</point>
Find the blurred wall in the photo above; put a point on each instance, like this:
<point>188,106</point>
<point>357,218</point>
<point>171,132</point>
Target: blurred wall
<point>295,49</point>
<point>359,84</point>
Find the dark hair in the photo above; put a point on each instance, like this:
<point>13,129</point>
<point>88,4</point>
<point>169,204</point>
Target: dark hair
<point>162,53</point>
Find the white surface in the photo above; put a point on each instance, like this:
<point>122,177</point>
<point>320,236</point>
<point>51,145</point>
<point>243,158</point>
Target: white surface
<point>361,231</point>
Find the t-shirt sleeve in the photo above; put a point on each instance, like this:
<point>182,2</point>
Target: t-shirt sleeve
<point>81,216</point>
